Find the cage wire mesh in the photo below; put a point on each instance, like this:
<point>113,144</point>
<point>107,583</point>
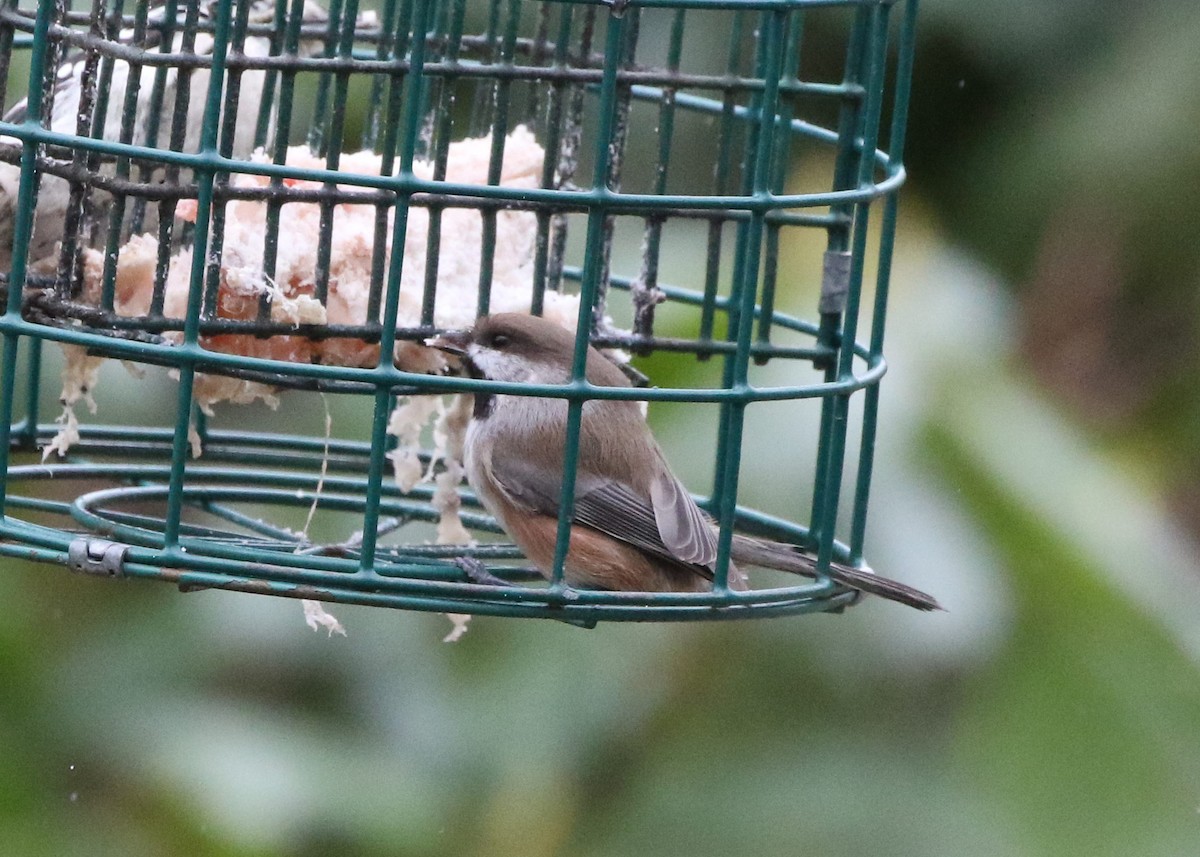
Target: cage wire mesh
<point>278,200</point>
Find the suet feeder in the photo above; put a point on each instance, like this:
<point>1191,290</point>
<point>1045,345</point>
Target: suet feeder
<point>280,201</point>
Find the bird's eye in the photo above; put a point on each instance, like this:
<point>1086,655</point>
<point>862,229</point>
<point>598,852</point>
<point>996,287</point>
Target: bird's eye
<point>500,341</point>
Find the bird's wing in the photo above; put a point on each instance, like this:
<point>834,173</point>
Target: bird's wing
<point>667,524</point>
<point>684,529</point>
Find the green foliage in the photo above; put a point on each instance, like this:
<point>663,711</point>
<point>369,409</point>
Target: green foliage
<point>1082,733</point>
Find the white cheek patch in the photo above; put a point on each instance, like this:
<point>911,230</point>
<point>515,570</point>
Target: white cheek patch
<point>496,365</point>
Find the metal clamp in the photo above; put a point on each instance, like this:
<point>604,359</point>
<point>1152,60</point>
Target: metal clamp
<point>99,557</point>
<point>835,282</point>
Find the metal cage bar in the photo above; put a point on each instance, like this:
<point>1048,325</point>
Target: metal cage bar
<point>171,100</point>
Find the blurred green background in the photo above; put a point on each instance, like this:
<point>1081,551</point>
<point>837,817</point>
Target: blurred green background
<point>1038,471</point>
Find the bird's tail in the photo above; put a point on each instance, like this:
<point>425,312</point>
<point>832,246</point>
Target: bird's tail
<point>792,559</point>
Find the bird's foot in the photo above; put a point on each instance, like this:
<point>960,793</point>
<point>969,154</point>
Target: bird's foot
<point>477,572</point>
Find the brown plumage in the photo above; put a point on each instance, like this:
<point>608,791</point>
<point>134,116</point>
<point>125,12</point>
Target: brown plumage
<point>635,526</point>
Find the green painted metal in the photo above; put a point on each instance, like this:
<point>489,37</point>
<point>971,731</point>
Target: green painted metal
<point>567,64</point>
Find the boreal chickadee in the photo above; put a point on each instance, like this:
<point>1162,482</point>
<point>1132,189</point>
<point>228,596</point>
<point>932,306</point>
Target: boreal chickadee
<point>635,527</point>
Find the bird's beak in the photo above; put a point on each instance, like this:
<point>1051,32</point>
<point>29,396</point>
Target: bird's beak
<point>452,342</point>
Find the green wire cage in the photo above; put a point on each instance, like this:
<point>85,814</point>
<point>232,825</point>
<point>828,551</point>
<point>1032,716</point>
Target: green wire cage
<point>281,200</point>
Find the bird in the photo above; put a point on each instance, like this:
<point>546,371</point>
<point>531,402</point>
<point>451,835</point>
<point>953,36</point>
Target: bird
<point>634,527</point>
<point>63,112</point>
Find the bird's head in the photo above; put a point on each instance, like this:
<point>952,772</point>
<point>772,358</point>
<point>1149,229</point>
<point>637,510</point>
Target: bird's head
<point>521,348</point>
